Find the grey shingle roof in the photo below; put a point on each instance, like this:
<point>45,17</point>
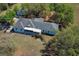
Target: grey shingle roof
<point>39,19</point>
<point>38,24</point>
<point>45,26</point>
<point>24,21</point>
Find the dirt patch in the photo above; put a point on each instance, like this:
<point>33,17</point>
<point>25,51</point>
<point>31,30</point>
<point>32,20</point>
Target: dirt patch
<point>24,45</point>
<point>47,38</point>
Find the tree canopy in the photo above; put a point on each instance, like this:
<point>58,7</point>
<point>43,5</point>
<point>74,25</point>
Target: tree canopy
<point>66,43</point>
<point>64,14</point>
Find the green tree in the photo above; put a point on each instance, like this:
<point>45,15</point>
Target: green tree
<point>65,43</point>
<point>9,15</point>
<point>64,14</point>
<point>38,10</point>
<point>3,6</point>
<point>16,7</point>
<point>51,6</point>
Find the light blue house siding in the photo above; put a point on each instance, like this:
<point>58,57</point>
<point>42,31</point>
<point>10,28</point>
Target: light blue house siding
<point>19,30</point>
<point>22,31</point>
<point>51,33</point>
<point>48,32</point>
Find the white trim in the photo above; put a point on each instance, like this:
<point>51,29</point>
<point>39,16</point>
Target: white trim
<point>22,24</point>
<point>33,29</point>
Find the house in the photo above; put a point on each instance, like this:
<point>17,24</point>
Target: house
<point>35,26</point>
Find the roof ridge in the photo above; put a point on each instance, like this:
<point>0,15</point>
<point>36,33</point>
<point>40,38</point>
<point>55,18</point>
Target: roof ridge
<point>32,23</point>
